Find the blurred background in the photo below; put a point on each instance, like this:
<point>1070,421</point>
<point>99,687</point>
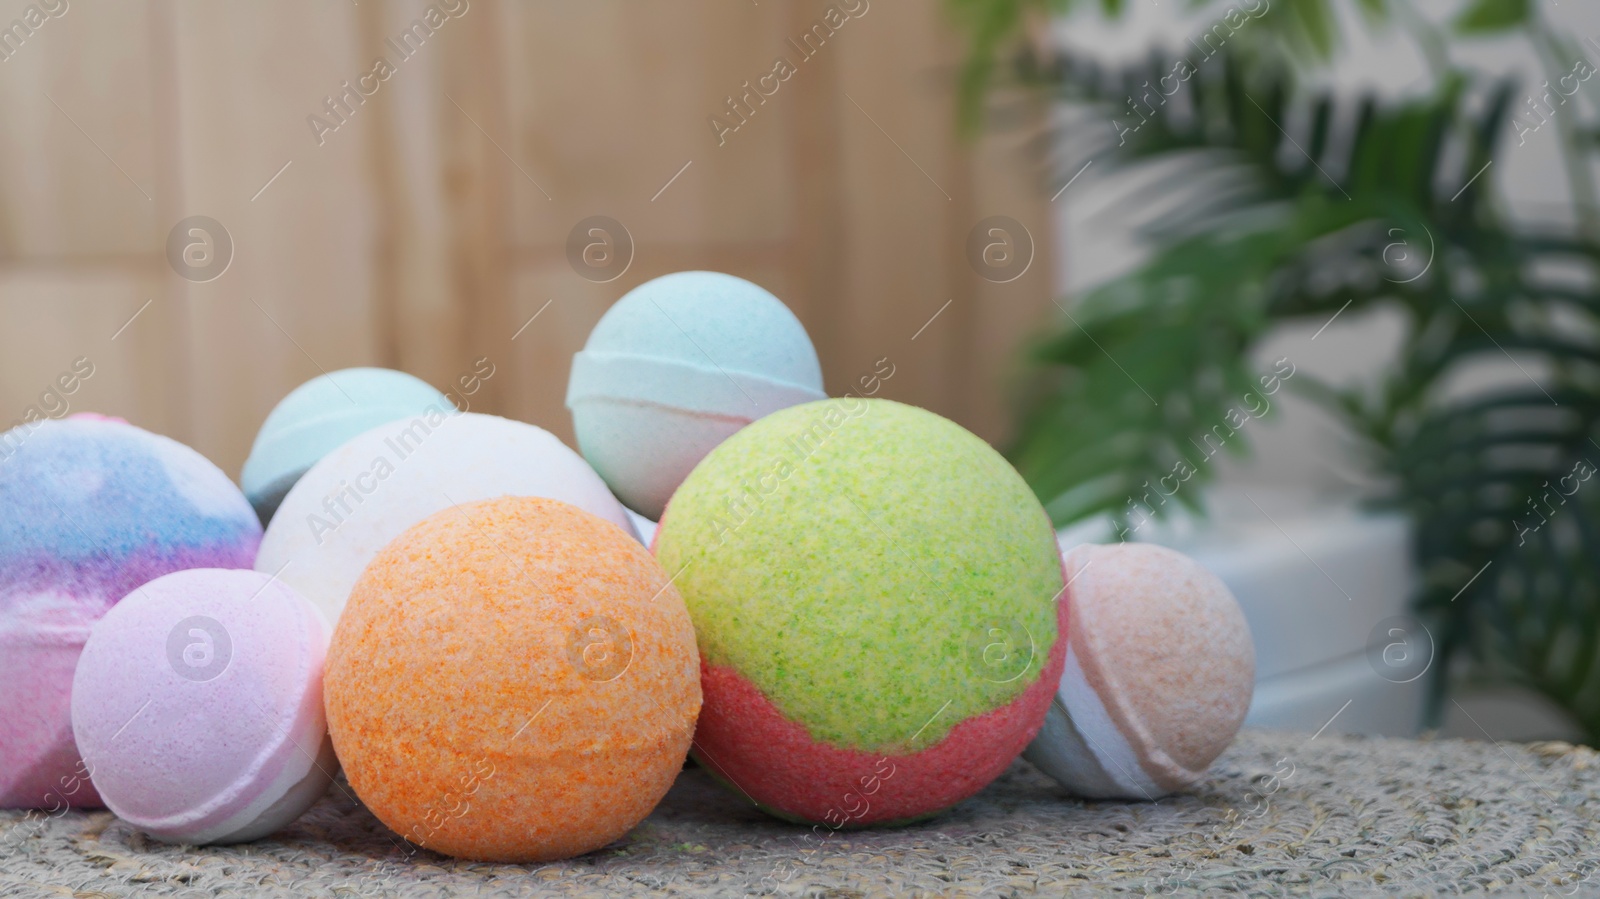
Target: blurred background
<point>431,226</point>
<point>205,205</point>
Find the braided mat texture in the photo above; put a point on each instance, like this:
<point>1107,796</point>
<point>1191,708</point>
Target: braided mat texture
<point>1279,813</point>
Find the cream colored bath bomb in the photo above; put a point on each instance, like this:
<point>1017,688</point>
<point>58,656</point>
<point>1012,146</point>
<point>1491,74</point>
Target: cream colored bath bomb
<point>362,495</point>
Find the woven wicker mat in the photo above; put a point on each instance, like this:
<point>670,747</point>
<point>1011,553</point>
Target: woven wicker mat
<point>1279,813</point>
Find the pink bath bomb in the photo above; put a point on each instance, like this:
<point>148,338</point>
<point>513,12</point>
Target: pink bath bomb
<point>1159,674</point>
<point>197,706</point>
<point>90,508</point>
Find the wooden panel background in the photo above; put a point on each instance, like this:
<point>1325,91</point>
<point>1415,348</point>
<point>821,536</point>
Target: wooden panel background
<point>431,226</point>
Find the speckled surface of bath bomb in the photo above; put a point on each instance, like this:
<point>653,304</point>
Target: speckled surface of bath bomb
<point>514,680</point>
<point>372,488</point>
<point>197,705</point>
<point>675,367</point>
<point>319,415</point>
<point>878,600</point>
<point>90,508</point>
<point>1159,674</point>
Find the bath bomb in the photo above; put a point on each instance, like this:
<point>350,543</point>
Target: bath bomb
<point>878,601</point>
<point>645,527</point>
<point>197,706</point>
<point>514,680</point>
<point>372,488</point>
<point>319,415</point>
<point>89,509</point>
<point>675,367</point>
<point>1159,673</point>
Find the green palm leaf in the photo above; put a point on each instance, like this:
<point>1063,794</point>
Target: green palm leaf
<point>1281,225</point>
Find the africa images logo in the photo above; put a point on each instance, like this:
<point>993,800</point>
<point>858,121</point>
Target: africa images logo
<point>342,105</point>
<point>741,108</point>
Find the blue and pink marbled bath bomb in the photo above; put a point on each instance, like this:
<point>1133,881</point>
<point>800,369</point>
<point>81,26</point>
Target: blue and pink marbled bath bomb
<point>90,509</point>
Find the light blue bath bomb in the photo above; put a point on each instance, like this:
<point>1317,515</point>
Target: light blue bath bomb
<point>676,367</point>
<point>321,414</point>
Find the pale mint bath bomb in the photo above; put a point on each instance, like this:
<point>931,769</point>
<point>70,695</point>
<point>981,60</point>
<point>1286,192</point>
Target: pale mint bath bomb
<point>676,367</point>
<point>319,415</point>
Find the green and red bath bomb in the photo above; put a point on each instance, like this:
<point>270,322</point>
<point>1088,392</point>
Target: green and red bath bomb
<point>879,604</point>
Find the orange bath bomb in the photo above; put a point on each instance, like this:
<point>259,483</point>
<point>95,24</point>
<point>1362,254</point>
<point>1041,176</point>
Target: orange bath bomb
<point>513,680</point>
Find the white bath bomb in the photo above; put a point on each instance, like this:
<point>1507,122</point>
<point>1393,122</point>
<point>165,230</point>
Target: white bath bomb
<point>372,489</point>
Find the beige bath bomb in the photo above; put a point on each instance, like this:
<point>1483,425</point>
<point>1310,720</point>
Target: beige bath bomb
<point>1159,674</point>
